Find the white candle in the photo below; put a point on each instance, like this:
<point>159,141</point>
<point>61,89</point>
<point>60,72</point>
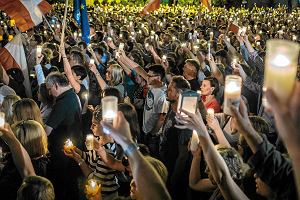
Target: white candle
<point>210,111</point>
<point>92,61</point>
<point>164,57</point>
<point>208,45</point>
<point>75,35</point>
<point>232,93</point>
<point>194,141</point>
<point>92,187</point>
<point>109,108</point>
<point>89,142</point>
<point>68,145</point>
<point>281,67</point>
<point>2,119</point>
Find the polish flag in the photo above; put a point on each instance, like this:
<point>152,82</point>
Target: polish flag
<point>26,13</point>
<point>206,3</point>
<point>13,56</point>
<point>151,6</point>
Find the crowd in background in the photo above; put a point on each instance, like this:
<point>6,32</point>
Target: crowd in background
<point>146,62</point>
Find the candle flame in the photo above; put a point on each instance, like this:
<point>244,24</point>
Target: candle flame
<point>280,61</point>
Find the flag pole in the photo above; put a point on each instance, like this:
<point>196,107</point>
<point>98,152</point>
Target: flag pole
<point>48,23</point>
<point>63,28</point>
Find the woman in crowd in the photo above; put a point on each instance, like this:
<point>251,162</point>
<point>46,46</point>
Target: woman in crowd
<point>7,107</point>
<point>27,109</point>
<point>33,137</point>
<point>46,101</point>
<point>209,88</point>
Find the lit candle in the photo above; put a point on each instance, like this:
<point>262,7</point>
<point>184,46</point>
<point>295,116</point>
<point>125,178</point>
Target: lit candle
<point>211,34</point>
<point>38,51</point>
<point>80,34</point>
<point>146,45</point>
<point>164,57</point>
<point>194,141</point>
<point>75,34</point>
<point>92,61</point>
<point>173,38</point>
<point>68,145</point>
<point>294,37</point>
<point>2,119</point>
<point>92,187</point>
<point>183,44</point>
<point>281,67</point>
<point>232,93</point>
<point>109,108</point>
<point>210,111</point>
<point>89,142</point>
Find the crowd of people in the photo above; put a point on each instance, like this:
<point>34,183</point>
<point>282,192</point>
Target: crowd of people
<point>147,62</point>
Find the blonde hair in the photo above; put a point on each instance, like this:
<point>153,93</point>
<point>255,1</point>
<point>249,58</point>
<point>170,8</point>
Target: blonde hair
<point>7,107</point>
<point>27,109</point>
<point>32,136</point>
<point>159,167</point>
<point>116,75</point>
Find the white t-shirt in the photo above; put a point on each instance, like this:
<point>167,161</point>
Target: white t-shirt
<point>154,106</point>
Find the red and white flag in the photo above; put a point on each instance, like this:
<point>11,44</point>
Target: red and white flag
<point>13,56</point>
<point>151,6</point>
<point>206,3</point>
<point>26,13</point>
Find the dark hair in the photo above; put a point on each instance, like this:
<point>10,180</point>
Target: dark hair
<point>57,78</point>
<point>44,93</point>
<point>36,187</point>
<point>78,56</point>
<point>181,82</point>
<point>110,91</point>
<point>158,70</point>
<point>213,83</point>
<point>80,71</point>
<point>259,124</point>
<point>131,116</point>
<point>194,62</point>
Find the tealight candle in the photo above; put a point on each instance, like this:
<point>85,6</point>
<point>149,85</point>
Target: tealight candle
<point>194,141</point>
<point>109,108</point>
<point>89,142</point>
<point>92,187</point>
<point>68,145</point>
<point>281,67</point>
<point>232,93</point>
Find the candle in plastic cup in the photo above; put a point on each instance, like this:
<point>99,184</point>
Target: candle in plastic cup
<point>68,145</point>
<point>2,119</point>
<point>194,141</point>
<point>92,61</point>
<point>109,108</point>
<point>38,50</point>
<point>89,142</point>
<point>92,187</point>
<point>232,93</point>
<point>211,111</point>
<point>281,67</point>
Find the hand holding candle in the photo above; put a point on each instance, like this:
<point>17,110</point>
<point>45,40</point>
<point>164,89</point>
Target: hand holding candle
<point>232,93</point>
<point>92,187</point>
<point>89,142</point>
<point>68,147</point>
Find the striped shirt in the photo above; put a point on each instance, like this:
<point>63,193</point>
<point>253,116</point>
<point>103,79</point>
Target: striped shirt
<point>106,175</point>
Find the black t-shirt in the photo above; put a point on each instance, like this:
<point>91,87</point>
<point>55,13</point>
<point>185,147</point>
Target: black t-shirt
<point>65,119</point>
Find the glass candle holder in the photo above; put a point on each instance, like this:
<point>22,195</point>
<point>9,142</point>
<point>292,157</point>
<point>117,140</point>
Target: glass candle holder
<point>38,50</point>
<point>232,93</point>
<point>89,142</point>
<point>281,67</point>
<point>109,108</point>
<point>92,187</point>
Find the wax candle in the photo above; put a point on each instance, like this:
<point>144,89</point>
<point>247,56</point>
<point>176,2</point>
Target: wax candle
<point>89,142</point>
<point>210,111</point>
<point>281,67</point>
<point>92,187</point>
<point>109,108</point>
<point>194,141</point>
<point>38,50</point>
<point>92,61</point>
<point>164,57</point>
<point>68,145</point>
<point>2,119</point>
<point>232,93</point>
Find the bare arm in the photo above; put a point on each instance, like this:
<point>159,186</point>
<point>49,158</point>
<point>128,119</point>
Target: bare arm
<point>99,78</point>
<point>19,154</point>
<point>215,70</point>
<point>68,70</point>
<point>213,123</point>
<point>195,180</point>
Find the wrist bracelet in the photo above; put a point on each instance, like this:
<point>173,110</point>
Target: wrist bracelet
<point>130,148</point>
<point>81,162</point>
